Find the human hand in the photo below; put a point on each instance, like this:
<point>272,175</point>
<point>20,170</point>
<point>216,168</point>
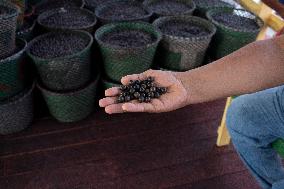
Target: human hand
<point>176,96</point>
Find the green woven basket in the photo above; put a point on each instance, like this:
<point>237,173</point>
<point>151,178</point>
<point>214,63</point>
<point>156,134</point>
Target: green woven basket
<point>121,13</point>
<point>278,145</point>
<point>67,72</point>
<point>8,24</point>
<point>203,6</point>
<point>71,106</point>
<point>16,113</point>
<point>11,72</point>
<point>26,31</point>
<point>184,53</point>
<point>109,84</point>
<point>120,61</point>
<point>168,10</point>
<point>229,39</point>
<point>67,19</point>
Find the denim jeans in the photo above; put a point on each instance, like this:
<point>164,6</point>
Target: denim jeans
<point>255,121</point>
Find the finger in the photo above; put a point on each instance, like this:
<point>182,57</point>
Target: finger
<point>114,91</point>
<point>138,107</point>
<point>107,101</point>
<point>114,109</point>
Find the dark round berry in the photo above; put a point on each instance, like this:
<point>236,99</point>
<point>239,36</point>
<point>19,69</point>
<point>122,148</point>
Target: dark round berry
<point>136,95</point>
<point>131,82</point>
<point>157,95</point>
<point>163,90</point>
<point>151,94</point>
<point>150,79</point>
<point>131,91</point>
<point>144,85</point>
<point>127,98</point>
<point>143,94</point>
<point>147,90</point>
<point>147,99</point>
<point>153,89</point>
<point>141,99</point>
<point>124,87</point>
<point>142,89</point>
<point>136,86</point>
<point>120,99</point>
<point>136,82</point>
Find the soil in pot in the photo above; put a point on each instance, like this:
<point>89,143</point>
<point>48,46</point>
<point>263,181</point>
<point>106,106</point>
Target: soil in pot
<point>68,18</point>
<point>128,38</point>
<point>56,45</point>
<point>169,7</point>
<point>236,21</point>
<point>53,4</point>
<point>211,3</point>
<point>183,29</point>
<point>122,11</point>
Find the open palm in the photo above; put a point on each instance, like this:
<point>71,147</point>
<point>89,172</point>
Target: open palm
<point>176,96</point>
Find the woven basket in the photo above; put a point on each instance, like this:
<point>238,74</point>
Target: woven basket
<point>8,24</point>
<point>203,6</point>
<point>93,4</point>
<point>121,61</point>
<point>11,72</point>
<point>16,113</point>
<point>109,84</point>
<point>67,72</point>
<point>184,53</point>
<point>168,9</point>
<point>26,31</point>
<point>67,19</point>
<point>46,5</point>
<point>21,4</point>
<point>229,39</point>
<point>72,106</point>
<point>124,13</point>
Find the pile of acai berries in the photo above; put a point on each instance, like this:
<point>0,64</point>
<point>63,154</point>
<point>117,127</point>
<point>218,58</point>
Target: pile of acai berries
<point>143,91</point>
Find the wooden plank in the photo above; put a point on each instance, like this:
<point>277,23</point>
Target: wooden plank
<point>94,176</point>
<point>168,139</point>
<point>92,133</point>
<point>239,180</point>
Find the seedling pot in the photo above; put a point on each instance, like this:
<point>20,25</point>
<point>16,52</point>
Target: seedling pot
<point>203,6</point>
<point>62,59</point>
<point>11,72</point>
<point>16,113</point>
<point>71,106</point>
<point>235,29</point>
<point>127,48</point>
<point>185,41</point>
<point>8,24</point>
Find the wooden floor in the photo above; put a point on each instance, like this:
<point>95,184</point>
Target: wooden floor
<point>173,150</point>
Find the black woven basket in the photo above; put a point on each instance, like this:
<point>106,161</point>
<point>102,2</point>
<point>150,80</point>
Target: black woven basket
<point>16,113</point>
<point>67,19</point>
<point>26,31</point>
<point>109,84</point>
<point>203,6</point>
<point>235,29</point>
<point>185,41</point>
<point>122,58</point>
<point>62,59</point>
<point>46,5</point>
<point>122,11</point>
<point>71,106</point>
<point>8,25</point>
<point>93,4</point>
<point>11,72</point>
<point>170,7</point>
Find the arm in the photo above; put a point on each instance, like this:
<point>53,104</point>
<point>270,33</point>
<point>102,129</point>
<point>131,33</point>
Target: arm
<point>258,66</point>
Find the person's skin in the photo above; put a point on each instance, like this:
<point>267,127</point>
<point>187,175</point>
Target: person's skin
<point>276,5</point>
<point>255,67</point>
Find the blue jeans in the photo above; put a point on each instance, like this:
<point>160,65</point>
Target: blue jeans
<point>254,122</point>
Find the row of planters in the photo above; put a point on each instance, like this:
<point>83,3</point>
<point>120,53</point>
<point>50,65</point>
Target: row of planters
<point>70,36</point>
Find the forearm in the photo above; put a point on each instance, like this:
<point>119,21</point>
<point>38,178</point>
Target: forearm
<point>258,66</point>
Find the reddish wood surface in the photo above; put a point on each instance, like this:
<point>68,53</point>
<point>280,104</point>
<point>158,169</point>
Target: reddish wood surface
<point>171,150</point>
